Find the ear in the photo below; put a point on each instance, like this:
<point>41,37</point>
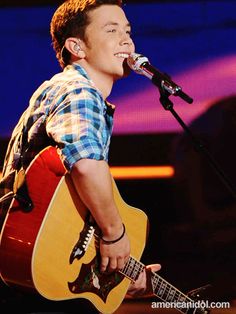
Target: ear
<point>73,45</point>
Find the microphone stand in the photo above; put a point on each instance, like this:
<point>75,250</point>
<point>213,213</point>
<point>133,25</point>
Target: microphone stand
<point>168,105</point>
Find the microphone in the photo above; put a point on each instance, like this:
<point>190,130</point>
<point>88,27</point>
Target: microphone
<point>141,65</point>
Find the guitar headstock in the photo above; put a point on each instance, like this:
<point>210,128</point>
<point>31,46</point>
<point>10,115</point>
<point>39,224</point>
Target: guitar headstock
<point>200,295</point>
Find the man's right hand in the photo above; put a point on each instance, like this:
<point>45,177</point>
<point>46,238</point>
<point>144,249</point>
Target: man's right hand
<point>93,182</point>
<point>114,256</point>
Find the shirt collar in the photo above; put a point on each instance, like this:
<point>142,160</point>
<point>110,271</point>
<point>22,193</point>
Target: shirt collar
<point>110,108</point>
<point>78,68</point>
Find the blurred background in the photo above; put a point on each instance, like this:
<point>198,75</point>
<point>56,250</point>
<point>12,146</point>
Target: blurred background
<point>192,212</point>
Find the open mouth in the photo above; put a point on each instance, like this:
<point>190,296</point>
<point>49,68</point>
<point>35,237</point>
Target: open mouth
<point>122,55</point>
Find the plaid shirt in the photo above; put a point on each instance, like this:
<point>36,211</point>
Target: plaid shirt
<point>67,111</point>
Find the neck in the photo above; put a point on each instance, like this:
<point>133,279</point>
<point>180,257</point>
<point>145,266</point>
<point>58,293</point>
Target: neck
<point>102,81</point>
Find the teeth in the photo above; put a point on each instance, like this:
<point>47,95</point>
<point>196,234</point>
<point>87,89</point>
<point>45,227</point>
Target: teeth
<point>122,55</point>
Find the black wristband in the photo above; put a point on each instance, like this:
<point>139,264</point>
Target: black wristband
<point>116,240</point>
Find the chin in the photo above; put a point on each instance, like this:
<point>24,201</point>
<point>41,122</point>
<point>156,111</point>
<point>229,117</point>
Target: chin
<point>125,70</point>
<point>123,75</point>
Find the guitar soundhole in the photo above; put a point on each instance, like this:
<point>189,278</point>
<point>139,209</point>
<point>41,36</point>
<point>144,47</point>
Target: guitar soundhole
<point>90,279</point>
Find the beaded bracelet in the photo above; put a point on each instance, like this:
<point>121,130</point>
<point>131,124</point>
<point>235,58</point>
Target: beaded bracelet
<point>116,240</point>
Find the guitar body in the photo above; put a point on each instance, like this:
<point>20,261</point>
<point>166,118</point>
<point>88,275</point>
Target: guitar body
<point>52,249</point>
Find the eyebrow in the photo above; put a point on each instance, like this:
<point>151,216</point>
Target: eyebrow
<point>115,24</point>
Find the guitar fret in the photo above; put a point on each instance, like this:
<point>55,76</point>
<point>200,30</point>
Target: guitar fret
<point>128,267</point>
<point>167,292</point>
<point>132,269</point>
<point>161,289</point>
<point>171,295</point>
<point>157,284</point>
<point>137,270</point>
<point>177,295</point>
<point>155,280</point>
<point>182,298</point>
<point>124,270</point>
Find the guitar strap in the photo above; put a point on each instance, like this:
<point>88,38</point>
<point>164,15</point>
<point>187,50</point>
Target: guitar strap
<point>20,189</point>
<point>15,180</point>
<point>17,176</point>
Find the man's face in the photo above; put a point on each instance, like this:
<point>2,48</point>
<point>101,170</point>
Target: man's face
<point>108,41</point>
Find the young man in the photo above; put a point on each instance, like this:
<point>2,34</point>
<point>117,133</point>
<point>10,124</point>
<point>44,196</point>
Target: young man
<point>91,40</point>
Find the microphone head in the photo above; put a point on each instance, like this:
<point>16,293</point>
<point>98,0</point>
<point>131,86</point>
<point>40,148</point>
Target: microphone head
<point>135,61</point>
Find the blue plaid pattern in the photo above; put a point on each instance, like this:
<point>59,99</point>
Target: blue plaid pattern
<point>67,111</point>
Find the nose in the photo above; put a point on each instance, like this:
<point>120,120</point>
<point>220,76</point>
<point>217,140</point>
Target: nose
<point>126,39</point>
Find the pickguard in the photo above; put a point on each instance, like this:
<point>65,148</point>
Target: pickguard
<point>90,279</point>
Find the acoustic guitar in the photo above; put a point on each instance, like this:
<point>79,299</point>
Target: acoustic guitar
<point>49,243</point>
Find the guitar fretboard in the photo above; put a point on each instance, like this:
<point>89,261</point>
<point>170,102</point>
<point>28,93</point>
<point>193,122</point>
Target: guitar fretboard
<point>162,289</point>
<point>132,269</point>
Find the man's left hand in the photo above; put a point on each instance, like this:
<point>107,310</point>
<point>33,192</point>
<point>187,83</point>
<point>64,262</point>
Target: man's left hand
<point>143,286</point>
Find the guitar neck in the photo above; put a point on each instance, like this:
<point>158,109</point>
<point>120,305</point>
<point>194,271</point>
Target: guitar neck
<point>162,289</point>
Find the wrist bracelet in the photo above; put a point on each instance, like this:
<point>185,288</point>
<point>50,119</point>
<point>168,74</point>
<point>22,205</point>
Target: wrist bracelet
<point>116,240</point>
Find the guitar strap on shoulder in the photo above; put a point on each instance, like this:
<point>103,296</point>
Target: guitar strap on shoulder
<point>20,189</point>
<point>13,184</point>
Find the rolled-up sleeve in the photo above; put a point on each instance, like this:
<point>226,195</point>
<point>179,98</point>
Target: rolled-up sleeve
<point>78,126</point>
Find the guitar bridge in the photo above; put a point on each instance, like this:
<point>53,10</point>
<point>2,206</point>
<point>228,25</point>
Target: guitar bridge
<point>82,244</point>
